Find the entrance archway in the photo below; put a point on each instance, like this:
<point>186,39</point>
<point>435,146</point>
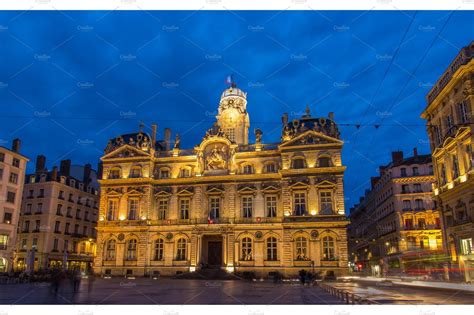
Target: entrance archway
<point>212,251</point>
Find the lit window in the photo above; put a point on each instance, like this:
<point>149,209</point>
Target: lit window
<point>185,172</point>
<point>466,246</point>
<point>270,168</point>
<point>325,198</point>
<point>184,206</point>
<point>301,247</point>
<point>132,209</point>
<point>424,242</point>
<point>328,248</point>
<point>162,208</point>
<point>272,249</point>
<point>324,162</point>
<point>114,173</point>
<point>271,202</point>
<point>131,250</point>
<point>246,249</point>
<point>112,210</point>
<point>13,178</point>
<point>158,249</point>
<point>164,173</point>
<point>214,207</point>
<point>110,250</point>
<point>299,200</point>
<point>181,249</point>
<point>247,206</point>
<point>135,172</point>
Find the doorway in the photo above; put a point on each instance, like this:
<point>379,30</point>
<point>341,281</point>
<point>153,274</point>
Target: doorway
<point>214,253</point>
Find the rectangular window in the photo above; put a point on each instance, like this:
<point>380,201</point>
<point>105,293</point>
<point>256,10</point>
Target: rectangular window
<point>1,173</point>
<point>406,205</point>
<point>214,207</point>
<point>84,231</point>
<point>162,209</point>
<point>28,208</point>
<point>86,216</point>
<point>271,203</point>
<point>409,223</point>
<point>78,214</point>
<point>41,193</point>
<point>299,200</point>
<point>26,226</point>
<point>415,171</point>
<point>184,206</point>
<point>56,227</point>
<point>39,208</point>
<point>247,206</point>
<point>403,172</point>
<point>37,225</point>
<point>76,229</point>
<point>59,209</point>
<point>421,223</point>
<point>55,244</point>
<point>466,246</point>
<point>66,245</point>
<point>11,197</point>
<point>112,209</point>
<point>417,188</point>
<point>13,178</point>
<point>16,162</point>
<point>35,243</point>
<point>2,157</point>
<point>325,198</point>
<point>66,229</point>
<point>69,212</point>
<point>405,189</point>
<point>132,209</point>
<point>3,241</point>
<point>7,218</point>
<point>463,112</point>
<point>24,244</point>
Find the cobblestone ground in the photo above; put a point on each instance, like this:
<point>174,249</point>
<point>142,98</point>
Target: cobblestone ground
<point>166,291</point>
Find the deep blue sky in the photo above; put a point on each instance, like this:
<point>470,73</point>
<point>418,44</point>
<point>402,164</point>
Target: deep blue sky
<point>72,80</point>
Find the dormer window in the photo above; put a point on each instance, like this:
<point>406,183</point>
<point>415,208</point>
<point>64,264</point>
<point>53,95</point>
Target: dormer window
<point>324,161</point>
<point>164,173</point>
<point>270,168</point>
<point>185,172</point>
<point>72,183</point>
<point>114,173</point>
<point>135,172</point>
<point>298,163</point>
<point>247,169</point>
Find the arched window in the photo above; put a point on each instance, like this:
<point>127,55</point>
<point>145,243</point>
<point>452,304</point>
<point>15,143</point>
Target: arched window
<point>248,169</point>
<point>158,249</point>
<point>114,173</point>
<point>298,163</point>
<point>270,168</point>
<point>181,249</point>
<point>324,161</point>
<point>110,250</point>
<point>272,248</point>
<point>424,242</point>
<point>131,249</point>
<point>164,173</point>
<point>411,242</point>
<point>246,248</point>
<point>301,247</point>
<point>135,172</point>
<point>328,248</point>
<point>185,172</point>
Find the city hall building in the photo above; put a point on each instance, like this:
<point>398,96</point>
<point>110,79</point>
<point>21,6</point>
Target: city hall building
<point>226,203</point>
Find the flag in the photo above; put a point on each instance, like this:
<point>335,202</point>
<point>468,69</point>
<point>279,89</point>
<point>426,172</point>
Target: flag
<point>209,219</point>
<point>230,79</point>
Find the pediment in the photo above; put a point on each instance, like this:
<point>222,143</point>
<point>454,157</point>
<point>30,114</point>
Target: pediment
<point>325,183</point>
<point>113,193</point>
<point>188,191</point>
<point>215,189</point>
<point>125,151</point>
<point>247,189</point>
<point>311,137</point>
<point>270,188</point>
<point>299,184</point>
<point>134,192</point>
<point>162,194</point>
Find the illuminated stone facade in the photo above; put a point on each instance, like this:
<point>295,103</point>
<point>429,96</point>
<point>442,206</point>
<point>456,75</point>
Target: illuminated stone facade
<point>395,228</point>
<point>12,177</point>
<point>449,123</point>
<point>225,203</point>
<point>58,218</point>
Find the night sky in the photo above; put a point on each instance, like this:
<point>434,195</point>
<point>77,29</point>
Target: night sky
<point>69,81</point>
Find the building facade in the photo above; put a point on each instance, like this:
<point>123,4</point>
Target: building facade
<point>395,228</point>
<point>58,219</point>
<point>449,124</point>
<point>12,177</point>
<point>224,203</point>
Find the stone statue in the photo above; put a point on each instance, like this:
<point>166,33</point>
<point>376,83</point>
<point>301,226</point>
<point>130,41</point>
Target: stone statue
<point>216,158</point>
<point>258,135</point>
<point>177,141</point>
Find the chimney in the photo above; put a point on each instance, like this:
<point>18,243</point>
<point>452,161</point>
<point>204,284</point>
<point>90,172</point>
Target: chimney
<point>153,135</point>
<point>54,174</point>
<point>16,145</point>
<point>40,163</point>
<point>397,157</point>
<point>65,167</point>
<point>87,174</point>
<point>167,138</point>
<point>415,151</point>
<point>100,170</point>
<point>331,116</point>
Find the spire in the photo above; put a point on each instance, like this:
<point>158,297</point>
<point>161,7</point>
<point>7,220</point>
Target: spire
<point>308,112</point>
